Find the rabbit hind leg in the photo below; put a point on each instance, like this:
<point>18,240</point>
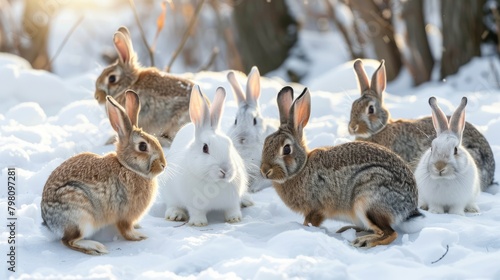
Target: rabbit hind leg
<point>73,239</point>
<point>383,234</point>
<point>471,208</point>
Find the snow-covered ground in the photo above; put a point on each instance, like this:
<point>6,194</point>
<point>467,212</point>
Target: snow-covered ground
<point>45,120</point>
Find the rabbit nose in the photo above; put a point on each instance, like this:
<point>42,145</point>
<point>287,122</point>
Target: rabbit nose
<point>354,128</point>
<point>243,140</point>
<point>440,167</point>
<point>266,170</point>
<point>222,174</point>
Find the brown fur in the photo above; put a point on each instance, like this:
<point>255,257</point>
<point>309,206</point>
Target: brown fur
<point>71,236</point>
<point>359,182</point>
<point>164,97</point>
<point>88,191</point>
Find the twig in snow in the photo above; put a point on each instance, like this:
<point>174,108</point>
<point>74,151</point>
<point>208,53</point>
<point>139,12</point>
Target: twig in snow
<point>65,40</point>
<point>447,248</point>
<point>186,35</point>
<point>180,225</point>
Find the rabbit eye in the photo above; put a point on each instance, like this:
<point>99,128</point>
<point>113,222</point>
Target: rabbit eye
<point>456,150</point>
<point>254,121</point>
<point>205,149</point>
<point>287,149</point>
<point>371,110</point>
<point>143,146</point>
<point>112,79</point>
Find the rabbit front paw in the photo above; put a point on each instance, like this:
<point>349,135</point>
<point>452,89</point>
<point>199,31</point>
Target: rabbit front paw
<point>197,219</point>
<point>471,208</point>
<point>456,210</point>
<point>233,216</point>
<point>127,230</point>
<point>176,214</point>
<point>133,235</point>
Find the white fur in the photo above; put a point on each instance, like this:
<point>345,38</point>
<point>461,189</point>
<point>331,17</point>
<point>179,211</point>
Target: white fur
<point>194,184</point>
<point>248,138</point>
<point>457,191</point>
<point>455,187</point>
<point>413,225</point>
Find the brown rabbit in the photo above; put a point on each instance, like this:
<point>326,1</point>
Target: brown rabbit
<point>88,191</point>
<point>371,121</point>
<point>357,182</point>
<point>164,97</point>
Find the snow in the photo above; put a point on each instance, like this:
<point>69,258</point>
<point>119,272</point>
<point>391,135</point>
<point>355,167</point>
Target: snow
<point>45,119</point>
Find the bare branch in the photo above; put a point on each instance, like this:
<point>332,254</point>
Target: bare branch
<point>160,23</point>
<point>65,40</point>
<point>186,35</point>
<point>211,60</point>
<point>495,72</point>
<point>143,35</point>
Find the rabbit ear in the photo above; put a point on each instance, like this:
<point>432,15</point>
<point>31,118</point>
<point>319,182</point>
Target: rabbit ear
<point>118,118</point>
<point>364,84</point>
<point>125,32</point>
<point>439,119</point>
<point>238,91</point>
<point>217,107</point>
<point>123,46</point>
<point>253,87</point>
<point>198,109</point>
<point>285,99</point>
<point>457,120</point>
<point>301,110</point>
<point>379,80</point>
<point>132,106</point>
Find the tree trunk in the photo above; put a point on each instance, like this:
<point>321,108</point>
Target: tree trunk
<point>462,29</point>
<point>224,29</point>
<point>266,32</point>
<point>380,32</point>
<point>421,61</point>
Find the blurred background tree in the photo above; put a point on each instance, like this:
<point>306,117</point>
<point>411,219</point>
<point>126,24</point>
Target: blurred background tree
<point>463,25</point>
<point>237,34</point>
<point>266,32</point>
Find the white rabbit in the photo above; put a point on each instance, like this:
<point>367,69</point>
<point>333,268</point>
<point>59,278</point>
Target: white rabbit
<point>250,129</point>
<point>447,176</point>
<point>207,173</point>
